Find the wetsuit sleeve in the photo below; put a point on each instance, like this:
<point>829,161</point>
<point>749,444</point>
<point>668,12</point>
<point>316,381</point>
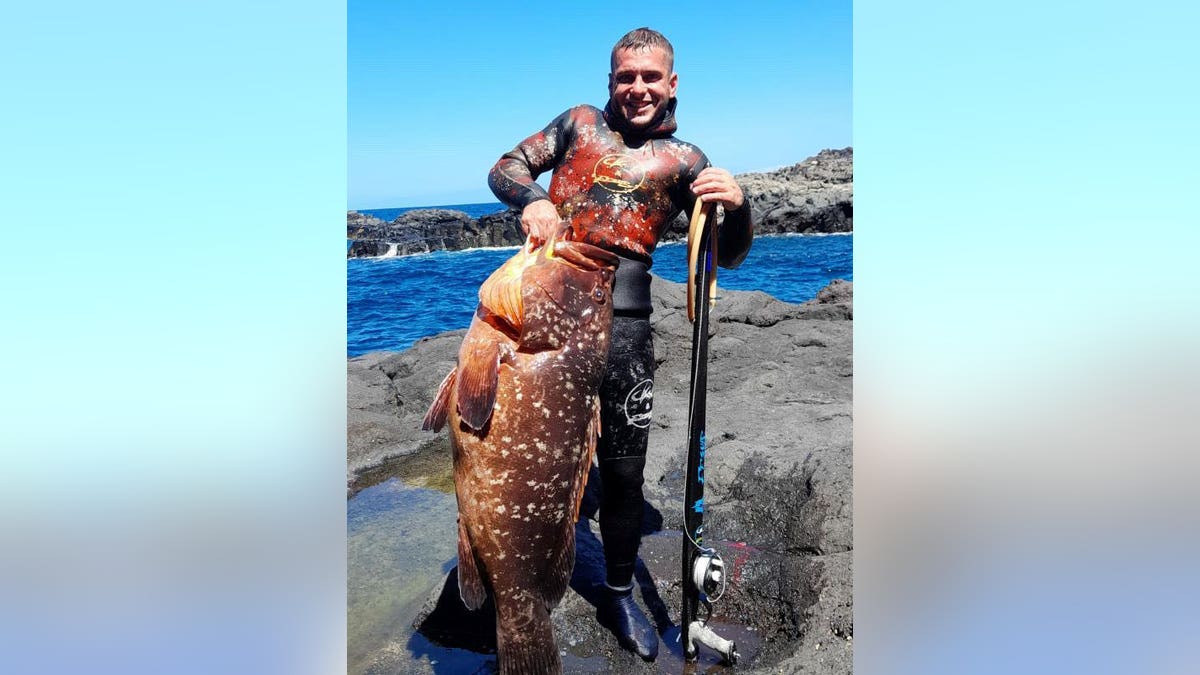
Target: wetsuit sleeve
<point>735,236</point>
<point>737,230</point>
<point>513,179</point>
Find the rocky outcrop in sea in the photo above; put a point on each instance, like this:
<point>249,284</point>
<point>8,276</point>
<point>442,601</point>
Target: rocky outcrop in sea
<point>425,230</point>
<point>815,195</point>
<point>778,478</point>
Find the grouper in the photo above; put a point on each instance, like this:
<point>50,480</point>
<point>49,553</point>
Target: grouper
<point>524,414</point>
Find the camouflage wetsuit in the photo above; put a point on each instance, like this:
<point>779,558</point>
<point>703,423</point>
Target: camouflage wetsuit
<point>619,189</point>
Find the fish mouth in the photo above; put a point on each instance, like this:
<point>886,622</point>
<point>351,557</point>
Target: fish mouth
<point>586,256</point>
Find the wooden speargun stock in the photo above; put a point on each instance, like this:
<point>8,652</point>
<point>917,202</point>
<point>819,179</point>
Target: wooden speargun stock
<point>701,214</point>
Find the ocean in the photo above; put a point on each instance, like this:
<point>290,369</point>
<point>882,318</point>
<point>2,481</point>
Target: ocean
<point>393,302</point>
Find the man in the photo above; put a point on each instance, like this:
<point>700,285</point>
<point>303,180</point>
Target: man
<point>620,178</point>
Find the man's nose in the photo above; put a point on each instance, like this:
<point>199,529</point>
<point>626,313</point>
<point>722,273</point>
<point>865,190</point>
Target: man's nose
<point>639,86</point>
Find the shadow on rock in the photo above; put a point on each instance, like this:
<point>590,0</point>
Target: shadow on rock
<point>588,577</point>
<point>446,621</point>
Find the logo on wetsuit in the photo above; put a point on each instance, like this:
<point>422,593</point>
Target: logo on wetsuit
<point>638,403</point>
<point>618,173</point>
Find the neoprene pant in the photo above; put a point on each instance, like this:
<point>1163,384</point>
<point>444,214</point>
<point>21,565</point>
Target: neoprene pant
<point>626,398</point>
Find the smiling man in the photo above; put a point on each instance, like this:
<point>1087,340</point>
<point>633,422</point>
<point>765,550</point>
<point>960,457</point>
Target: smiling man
<point>620,178</point>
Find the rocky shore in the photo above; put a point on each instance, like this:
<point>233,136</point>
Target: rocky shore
<point>779,477</point>
<point>815,195</point>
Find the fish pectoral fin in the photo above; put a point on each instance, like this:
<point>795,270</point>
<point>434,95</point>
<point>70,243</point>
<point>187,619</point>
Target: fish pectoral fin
<point>435,418</point>
<point>470,583</point>
<point>478,376</point>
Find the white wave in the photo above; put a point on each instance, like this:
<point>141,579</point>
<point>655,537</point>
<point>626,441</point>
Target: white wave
<point>486,248</point>
<point>806,234</point>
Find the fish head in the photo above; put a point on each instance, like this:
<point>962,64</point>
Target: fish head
<point>567,293</point>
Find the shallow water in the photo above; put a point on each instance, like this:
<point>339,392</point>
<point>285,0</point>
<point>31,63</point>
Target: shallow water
<point>400,542</point>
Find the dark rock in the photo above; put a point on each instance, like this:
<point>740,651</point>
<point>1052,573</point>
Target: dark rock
<point>358,225</point>
<point>424,230</point>
<point>816,195</point>
<point>368,248</point>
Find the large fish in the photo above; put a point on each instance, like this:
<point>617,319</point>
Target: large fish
<point>524,416</point>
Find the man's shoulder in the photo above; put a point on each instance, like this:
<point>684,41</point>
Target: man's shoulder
<point>582,114</point>
<point>585,112</point>
<point>685,151</point>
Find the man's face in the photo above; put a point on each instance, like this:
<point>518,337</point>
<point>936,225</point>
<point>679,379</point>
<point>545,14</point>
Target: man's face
<point>641,85</point>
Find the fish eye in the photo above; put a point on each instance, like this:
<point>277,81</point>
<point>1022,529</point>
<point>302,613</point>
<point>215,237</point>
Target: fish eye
<point>598,294</point>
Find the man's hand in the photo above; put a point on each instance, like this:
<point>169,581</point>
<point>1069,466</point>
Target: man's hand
<point>718,185</point>
<point>540,220</point>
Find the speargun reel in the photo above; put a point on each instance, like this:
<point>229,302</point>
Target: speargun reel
<point>708,575</point>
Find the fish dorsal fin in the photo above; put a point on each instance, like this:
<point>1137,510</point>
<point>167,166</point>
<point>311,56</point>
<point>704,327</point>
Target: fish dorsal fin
<point>478,374</point>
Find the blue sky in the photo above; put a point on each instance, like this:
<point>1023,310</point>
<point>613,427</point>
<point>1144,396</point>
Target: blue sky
<point>434,96</point>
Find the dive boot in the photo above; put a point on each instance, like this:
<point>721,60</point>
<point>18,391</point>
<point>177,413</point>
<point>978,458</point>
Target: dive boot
<point>620,614</point>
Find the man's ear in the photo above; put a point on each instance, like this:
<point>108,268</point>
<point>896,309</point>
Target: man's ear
<point>673,81</point>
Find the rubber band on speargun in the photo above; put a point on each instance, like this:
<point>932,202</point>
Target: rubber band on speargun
<point>701,213</point>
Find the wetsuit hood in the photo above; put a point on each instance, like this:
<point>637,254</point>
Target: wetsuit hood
<point>662,129</point>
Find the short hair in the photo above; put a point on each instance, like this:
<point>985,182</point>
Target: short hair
<point>640,39</point>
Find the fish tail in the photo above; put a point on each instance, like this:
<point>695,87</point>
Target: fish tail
<point>525,644</point>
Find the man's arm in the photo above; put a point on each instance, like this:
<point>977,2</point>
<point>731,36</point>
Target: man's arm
<point>513,178</point>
